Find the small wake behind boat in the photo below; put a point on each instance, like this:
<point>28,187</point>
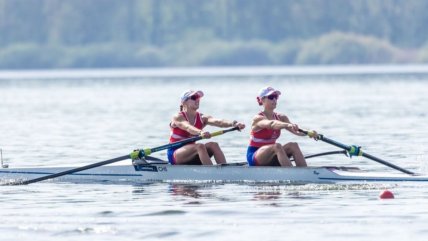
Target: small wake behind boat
<point>156,170</point>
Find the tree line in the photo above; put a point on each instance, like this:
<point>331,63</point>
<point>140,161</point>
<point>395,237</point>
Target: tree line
<point>139,33</point>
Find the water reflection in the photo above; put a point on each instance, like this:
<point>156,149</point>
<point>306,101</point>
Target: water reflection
<point>185,190</point>
<point>267,195</point>
<point>141,188</point>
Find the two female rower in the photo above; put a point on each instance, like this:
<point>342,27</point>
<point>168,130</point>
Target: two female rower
<point>189,122</point>
<point>265,130</point>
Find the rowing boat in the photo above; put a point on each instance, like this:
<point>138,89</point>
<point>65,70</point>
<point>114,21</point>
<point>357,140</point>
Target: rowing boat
<point>158,170</point>
<point>163,172</point>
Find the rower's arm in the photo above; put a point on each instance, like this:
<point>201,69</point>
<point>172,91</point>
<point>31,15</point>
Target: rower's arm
<point>183,124</point>
<point>209,120</point>
<point>260,122</point>
<point>293,128</point>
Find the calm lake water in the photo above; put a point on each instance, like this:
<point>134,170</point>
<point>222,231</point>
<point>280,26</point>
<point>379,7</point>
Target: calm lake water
<point>76,118</point>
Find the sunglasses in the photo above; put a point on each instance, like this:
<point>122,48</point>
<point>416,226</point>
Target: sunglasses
<point>272,97</point>
<point>194,97</point>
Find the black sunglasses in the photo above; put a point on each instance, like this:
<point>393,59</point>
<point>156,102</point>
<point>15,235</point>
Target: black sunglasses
<point>194,97</point>
<point>272,97</point>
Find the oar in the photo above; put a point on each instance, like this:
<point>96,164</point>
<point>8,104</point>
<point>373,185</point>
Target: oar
<point>291,159</point>
<point>325,154</point>
<point>133,155</point>
<point>355,151</point>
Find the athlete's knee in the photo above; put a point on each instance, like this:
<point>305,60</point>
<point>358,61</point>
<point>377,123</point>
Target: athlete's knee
<point>294,146</point>
<point>212,145</point>
<point>201,147</point>
<point>277,147</point>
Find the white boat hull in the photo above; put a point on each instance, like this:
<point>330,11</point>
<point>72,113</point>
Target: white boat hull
<point>228,173</point>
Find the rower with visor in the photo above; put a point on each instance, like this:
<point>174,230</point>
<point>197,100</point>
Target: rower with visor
<point>189,122</point>
<point>266,127</point>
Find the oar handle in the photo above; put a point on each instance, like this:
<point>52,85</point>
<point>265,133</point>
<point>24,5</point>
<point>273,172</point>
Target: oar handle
<point>311,134</point>
<point>356,151</point>
<point>221,132</point>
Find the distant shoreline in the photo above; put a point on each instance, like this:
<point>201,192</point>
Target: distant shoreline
<point>241,71</point>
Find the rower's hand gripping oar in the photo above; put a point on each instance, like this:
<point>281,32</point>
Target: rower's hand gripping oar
<point>133,155</point>
<point>354,151</point>
<point>138,154</point>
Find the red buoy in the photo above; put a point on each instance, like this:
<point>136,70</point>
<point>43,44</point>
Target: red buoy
<point>386,194</point>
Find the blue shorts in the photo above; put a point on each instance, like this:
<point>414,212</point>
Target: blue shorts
<point>170,154</point>
<point>251,151</point>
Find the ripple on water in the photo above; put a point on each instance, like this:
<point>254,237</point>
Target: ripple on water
<point>106,213</point>
<point>166,213</point>
<point>101,229</point>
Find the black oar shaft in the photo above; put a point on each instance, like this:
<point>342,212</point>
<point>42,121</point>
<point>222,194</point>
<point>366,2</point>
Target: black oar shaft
<point>325,154</point>
<point>387,163</point>
<point>121,158</point>
<point>366,155</point>
<point>348,148</point>
<point>176,144</point>
<point>71,171</point>
<point>334,143</point>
